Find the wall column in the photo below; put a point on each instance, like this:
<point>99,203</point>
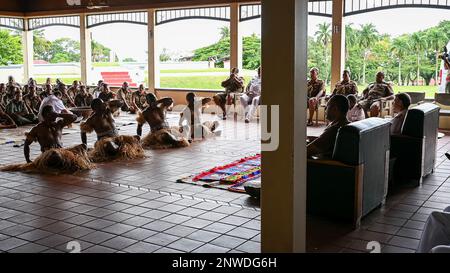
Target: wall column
<point>284,70</point>
<point>85,51</point>
<point>27,47</point>
<point>152,53</point>
<point>337,42</point>
<point>235,37</point>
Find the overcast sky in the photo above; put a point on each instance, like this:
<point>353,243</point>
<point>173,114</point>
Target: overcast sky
<point>129,40</point>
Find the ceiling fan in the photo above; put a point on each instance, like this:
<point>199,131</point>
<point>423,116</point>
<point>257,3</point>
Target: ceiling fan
<point>91,4</point>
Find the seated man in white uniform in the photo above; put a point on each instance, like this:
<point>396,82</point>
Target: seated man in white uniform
<point>251,96</point>
<point>436,234</point>
<point>55,101</point>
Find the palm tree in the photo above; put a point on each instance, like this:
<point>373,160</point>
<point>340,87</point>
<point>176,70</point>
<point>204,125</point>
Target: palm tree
<point>224,32</point>
<point>324,37</point>
<point>400,48</point>
<point>436,40</point>
<point>418,45</point>
<point>367,37</point>
<point>351,39</point>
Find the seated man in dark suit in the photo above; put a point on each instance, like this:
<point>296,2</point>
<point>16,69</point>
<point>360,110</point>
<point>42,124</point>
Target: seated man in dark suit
<point>336,112</point>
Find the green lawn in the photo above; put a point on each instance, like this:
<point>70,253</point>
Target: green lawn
<point>194,82</point>
<point>67,81</point>
<point>194,70</point>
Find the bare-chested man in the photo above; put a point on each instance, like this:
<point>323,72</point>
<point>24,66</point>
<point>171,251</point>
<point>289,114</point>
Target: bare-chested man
<point>48,132</point>
<point>109,144</point>
<point>192,115</point>
<point>138,99</point>
<point>124,94</point>
<point>74,89</point>
<point>161,135</point>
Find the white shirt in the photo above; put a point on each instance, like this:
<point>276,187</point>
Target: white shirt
<point>58,105</point>
<point>197,113</point>
<point>355,114</point>
<point>397,122</point>
<point>255,86</point>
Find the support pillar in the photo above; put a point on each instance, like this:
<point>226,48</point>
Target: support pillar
<point>153,58</point>
<point>337,42</point>
<point>284,71</point>
<point>85,51</point>
<point>27,47</point>
<point>235,37</point>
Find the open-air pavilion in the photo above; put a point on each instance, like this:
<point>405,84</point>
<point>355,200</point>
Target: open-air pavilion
<point>137,206</point>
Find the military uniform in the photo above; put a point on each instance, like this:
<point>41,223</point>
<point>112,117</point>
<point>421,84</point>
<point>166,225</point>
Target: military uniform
<point>374,92</point>
<point>345,88</point>
<point>314,88</point>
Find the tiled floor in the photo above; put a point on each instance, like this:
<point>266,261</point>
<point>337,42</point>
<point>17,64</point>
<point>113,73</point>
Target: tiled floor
<point>136,206</point>
<point>398,225</point>
<point>132,206</point>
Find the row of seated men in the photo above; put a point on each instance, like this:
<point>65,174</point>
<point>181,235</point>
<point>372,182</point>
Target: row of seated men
<point>368,104</point>
<point>20,105</point>
<point>339,113</point>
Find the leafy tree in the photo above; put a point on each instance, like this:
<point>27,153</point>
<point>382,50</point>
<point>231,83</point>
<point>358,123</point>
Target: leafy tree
<point>100,53</point>
<point>400,49</point>
<point>224,32</point>
<point>323,36</point>
<point>367,38</point>
<point>10,48</point>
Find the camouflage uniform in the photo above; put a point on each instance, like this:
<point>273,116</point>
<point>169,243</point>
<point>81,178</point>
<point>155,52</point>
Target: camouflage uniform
<point>345,88</point>
<point>374,92</point>
<point>314,88</point>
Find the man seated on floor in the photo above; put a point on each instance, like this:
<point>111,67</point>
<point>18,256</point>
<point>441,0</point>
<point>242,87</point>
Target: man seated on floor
<point>2,94</point>
<point>346,86</point>
<point>401,104</point>
<point>6,122</point>
<point>251,96</point>
<point>97,89</point>
<point>9,94</point>
<point>109,144</point>
<point>234,84</point>
<point>57,104</point>
<point>336,113</point>
<point>83,98</point>
<point>436,233</point>
<point>316,90</point>
<point>18,111</point>
<point>355,112</point>
<point>47,91</point>
<point>49,131</point>
<point>124,95</point>
<point>192,116</point>
<point>161,135</point>
<point>65,97</point>
<point>106,94</point>
<point>73,89</point>
<point>12,82</point>
<point>138,100</point>
<point>32,100</point>
<point>374,94</point>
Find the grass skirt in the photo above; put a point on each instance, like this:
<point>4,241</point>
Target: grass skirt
<point>129,148</point>
<point>165,139</point>
<point>73,159</point>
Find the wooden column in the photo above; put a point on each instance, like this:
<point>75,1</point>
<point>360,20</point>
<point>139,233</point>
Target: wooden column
<point>85,51</point>
<point>235,37</point>
<point>153,58</point>
<point>27,48</point>
<point>284,70</point>
<point>337,42</point>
